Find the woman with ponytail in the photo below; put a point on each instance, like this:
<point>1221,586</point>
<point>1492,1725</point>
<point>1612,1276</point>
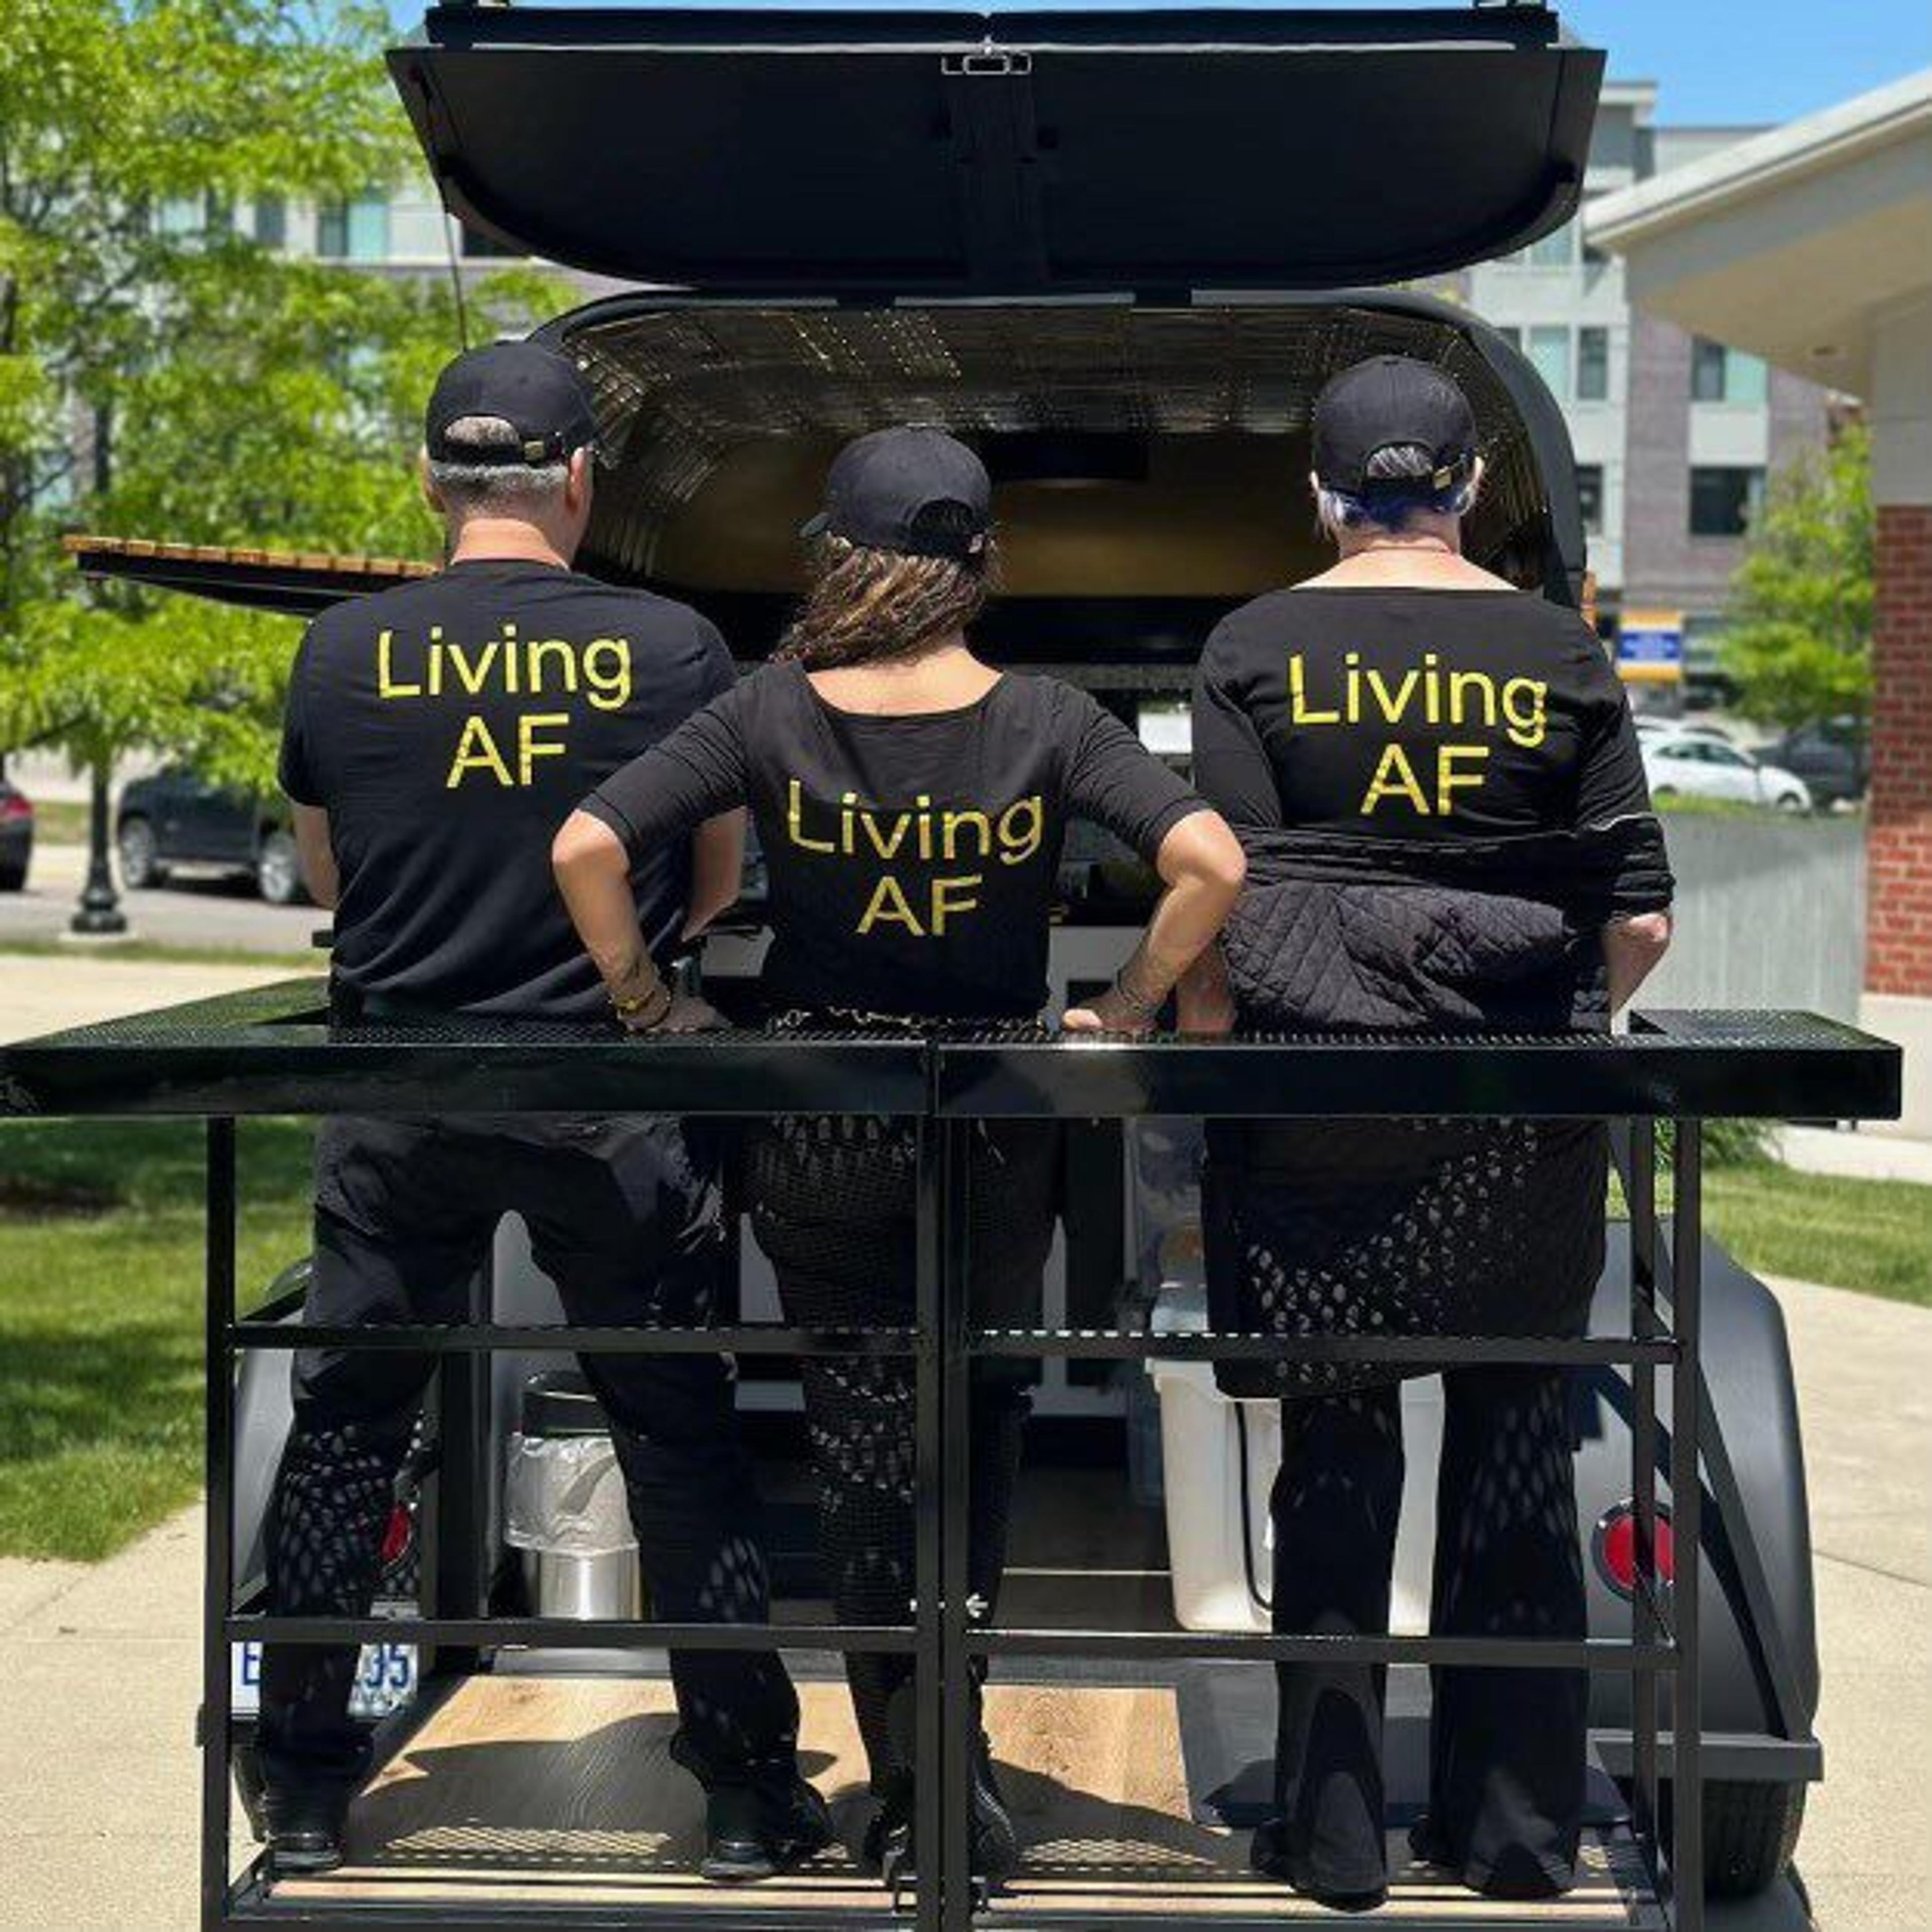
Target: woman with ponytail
<point>911,801</point>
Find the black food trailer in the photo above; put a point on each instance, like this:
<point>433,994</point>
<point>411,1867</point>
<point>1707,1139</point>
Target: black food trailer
<point>1120,251</point>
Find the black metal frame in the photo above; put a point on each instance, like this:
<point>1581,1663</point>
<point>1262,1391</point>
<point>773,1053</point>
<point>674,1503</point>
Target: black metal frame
<point>270,1052</point>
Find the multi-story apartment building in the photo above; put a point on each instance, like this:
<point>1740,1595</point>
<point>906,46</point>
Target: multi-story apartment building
<point>1674,436</point>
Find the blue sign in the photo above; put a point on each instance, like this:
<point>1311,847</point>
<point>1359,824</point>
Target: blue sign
<point>1650,645</point>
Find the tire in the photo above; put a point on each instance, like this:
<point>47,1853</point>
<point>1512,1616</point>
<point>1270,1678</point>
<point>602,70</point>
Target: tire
<point>1750,1832</point>
<point>13,878</point>
<point>278,870</point>
<point>1789,801</point>
<point>135,847</point>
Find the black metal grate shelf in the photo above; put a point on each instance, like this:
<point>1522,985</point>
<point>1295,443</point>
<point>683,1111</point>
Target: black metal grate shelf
<point>272,1052</point>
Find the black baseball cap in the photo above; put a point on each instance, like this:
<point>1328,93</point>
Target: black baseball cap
<point>534,390</point>
<point>914,489</point>
<point>1388,400</point>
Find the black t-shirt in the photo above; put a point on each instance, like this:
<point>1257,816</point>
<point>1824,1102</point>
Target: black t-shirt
<point>1423,715</point>
<point>448,727</point>
<point>912,859</point>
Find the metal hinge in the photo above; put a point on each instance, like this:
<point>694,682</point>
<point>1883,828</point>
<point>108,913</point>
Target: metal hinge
<point>988,63</point>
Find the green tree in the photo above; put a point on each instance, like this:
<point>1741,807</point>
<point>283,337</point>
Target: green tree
<point>1798,642</point>
<point>162,374</point>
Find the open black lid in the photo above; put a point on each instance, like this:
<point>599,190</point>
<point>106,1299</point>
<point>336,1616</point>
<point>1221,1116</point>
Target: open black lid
<point>932,153</point>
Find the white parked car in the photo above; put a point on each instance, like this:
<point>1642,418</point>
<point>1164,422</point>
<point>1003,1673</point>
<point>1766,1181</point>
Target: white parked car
<point>1700,765</point>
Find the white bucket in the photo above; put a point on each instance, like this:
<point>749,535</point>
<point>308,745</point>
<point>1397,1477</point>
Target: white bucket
<point>1208,1440</point>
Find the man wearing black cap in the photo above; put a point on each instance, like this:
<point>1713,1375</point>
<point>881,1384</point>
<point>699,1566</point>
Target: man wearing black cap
<point>436,736</point>
<point>1436,779</point>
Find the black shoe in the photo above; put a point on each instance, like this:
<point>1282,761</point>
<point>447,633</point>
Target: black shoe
<point>756,1830</point>
<point>304,1828</point>
<point>993,1842</point>
<point>1518,1874</point>
<point>1269,1854</point>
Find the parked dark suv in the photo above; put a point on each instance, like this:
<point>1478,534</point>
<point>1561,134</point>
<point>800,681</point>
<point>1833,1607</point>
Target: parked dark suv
<point>1832,755</point>
<point>177,817</point>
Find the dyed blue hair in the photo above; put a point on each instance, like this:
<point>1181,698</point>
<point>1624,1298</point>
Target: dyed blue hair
<point>1393,508</point>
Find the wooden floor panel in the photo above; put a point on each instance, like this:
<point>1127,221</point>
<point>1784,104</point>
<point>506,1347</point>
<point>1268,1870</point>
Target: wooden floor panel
<point>522,1790</point>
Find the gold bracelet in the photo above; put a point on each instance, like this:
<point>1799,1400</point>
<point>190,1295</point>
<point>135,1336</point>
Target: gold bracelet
<point>653,1005</point>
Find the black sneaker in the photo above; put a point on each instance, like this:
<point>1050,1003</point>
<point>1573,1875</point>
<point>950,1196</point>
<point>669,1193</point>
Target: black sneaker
<point>754,1831</point>
<point>304,1828</point>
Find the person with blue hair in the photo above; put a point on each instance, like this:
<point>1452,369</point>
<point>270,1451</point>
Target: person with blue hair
<point>1435,778</point>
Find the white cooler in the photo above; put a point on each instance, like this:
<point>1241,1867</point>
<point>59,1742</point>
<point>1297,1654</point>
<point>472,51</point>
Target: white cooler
<point>1218,1453</point>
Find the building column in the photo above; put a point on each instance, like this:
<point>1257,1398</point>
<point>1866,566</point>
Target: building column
<point>1897,1001</point>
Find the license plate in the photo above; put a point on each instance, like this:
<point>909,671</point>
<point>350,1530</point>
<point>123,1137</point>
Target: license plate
<point>385,1680</point>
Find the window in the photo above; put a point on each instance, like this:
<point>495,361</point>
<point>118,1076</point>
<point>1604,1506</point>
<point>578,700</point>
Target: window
<point>1724,499</point>
<point>1590,496</point>
<point>178,214</point>
<point>272,221</point>
<point>201,217</point>
<point>353,231</point>
<point>1721,375</point>
<point>1593,365</point>
<point>1554,251</point>
<point>1746,378</point>
<point>1550,351</point>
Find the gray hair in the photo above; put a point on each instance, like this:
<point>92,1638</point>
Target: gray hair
<point>497,480</point>
<point>1394,509</point>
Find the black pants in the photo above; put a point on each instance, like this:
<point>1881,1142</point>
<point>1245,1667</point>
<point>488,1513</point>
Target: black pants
<point>624,1216</point>
<point>1506,1746</point>
<point>832,1201</point>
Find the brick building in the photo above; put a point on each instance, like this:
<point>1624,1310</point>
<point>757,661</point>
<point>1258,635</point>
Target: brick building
<point>1811,246</point>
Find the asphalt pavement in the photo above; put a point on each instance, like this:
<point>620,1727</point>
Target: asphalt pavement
<point>193,909</point>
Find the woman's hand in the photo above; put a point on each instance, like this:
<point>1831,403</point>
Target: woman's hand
<point>1201,864</point>
<point>690,1014</point>
<point>1113,1012</point>
<point>1204,1000</point>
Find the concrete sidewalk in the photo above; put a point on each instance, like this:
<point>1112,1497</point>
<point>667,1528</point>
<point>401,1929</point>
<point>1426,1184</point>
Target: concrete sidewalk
<point>43,993</point>
<point>1864,1155</point>
<point>98,1833</point>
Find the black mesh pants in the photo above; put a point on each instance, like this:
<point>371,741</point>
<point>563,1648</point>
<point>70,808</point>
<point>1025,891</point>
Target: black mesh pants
<point>624,1217</point>
<point>832,1201</point>
<point>1506,1746</point>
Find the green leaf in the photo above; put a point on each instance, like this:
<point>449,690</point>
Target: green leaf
<point>1798,644</point>
<point>168,379</point>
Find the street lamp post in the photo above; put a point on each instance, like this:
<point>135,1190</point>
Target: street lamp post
<point>100,913</point>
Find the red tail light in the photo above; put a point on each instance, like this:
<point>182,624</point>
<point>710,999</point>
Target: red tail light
<point>398,1536</point>
<point>12,805</point>
<point>1614,1546</point>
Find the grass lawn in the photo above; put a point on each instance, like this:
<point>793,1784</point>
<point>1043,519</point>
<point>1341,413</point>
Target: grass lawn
<point>61,821</point>
<point>100,1299</point>
<point>100,1313</point>
<point>153,951</point>
<point>1873,1235</point>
